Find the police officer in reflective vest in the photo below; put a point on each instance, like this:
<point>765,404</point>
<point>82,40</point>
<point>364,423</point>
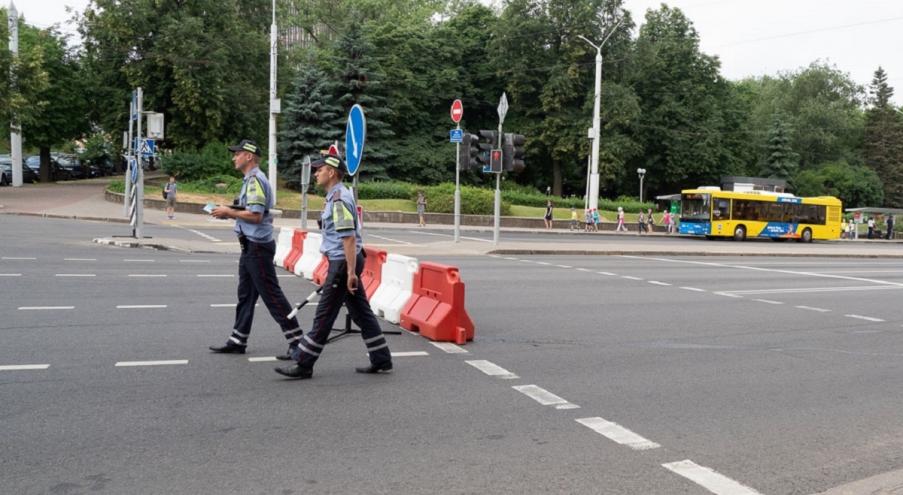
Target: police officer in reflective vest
<point>256,275</point>
<point>342,246</point>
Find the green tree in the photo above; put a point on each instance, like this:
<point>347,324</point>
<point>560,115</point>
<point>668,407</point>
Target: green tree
<point>781,160</point>
<point>308,121</point>
<point>883,147</point>
<point>856,186</point>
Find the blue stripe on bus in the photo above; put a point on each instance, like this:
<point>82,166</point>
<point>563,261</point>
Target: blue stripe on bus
<point>695,228</point>
<point>778,229</point>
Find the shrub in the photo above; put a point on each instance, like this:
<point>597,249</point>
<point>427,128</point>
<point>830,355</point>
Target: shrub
<point>212,160</point>
<point>117,185</point>
<point>208,185</point>
<point>386,190</point>
<point>474,200</point>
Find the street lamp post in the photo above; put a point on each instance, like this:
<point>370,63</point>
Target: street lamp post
<point>274,108</point>
<point>642,173</point>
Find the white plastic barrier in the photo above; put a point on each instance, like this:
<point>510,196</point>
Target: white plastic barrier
<point>310,257</point>
<point>395,288</point>
<point>283,246</point>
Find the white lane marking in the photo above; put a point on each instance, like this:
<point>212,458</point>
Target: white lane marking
<point>493,256</point>
<point>584,270</point>
<point>492,369</point>
<point>768,301</point>
<point>526,261</point>
<point>389,239</point>
<point>544,397</point>
<point>147,275</point>
<point>151,363</point>
<point>41,308</point>
<point>141,306</point>
<point>79,259</point>
<point>628,277</point>
<point>608,273</point>
<point>262,359</point>
<point>205,236</point>
<point>17,258</point>
<point>564,266</point>
<point>194,261</point>
<point>74,275</point>
<point>23,367</point>
<point>656,282</point>
<point>803,290</point>
<point>862,271</point>
<point>138,261</point>
<point>450,348</point>
<point>510,258</point>
<point>708,478</point>
<point>811,308</point>
<point>232,305</point>
<point>215,275</point>
<point>288,275</point>
<point>618,433</point>
<point>543,263</point>
<point>866,318</point>
<point>727,294</point>
<point>410,354</point>
<point>693,289</point>
<point>476,239</point>
<point>770,270</point>
<point>10,274</point>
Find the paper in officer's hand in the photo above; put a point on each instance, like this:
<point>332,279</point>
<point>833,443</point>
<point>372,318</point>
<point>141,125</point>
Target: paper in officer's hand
<point>209,207</point>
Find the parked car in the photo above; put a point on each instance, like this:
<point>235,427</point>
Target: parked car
<point>33,162</point>
<point>72,164</point>
<point>6,171</point>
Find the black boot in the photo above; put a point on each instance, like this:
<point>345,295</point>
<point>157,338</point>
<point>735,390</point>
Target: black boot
<point>296,372</point>
<point>229,348</point>
<point>376,368</point>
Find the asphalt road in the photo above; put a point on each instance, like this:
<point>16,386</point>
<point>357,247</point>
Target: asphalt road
<point>688,375</point>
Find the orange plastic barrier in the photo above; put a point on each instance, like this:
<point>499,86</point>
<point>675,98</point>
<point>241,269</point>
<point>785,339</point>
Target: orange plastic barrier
<point>436,308</point>
<point>297,249</point>
<point>321,272</point>
<point>372,275</point>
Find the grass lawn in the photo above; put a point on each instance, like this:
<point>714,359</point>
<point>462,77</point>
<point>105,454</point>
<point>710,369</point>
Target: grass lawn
<point>565,214</point>
<point>291,200</point>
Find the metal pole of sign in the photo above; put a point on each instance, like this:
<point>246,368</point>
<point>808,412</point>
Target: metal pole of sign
<point>305,184</point>
<point>458,188</point>
<point>275,108</point>
<point>139,198</point>
<point>128,157</point>
<point>498,197</point>
<point>15,126</point>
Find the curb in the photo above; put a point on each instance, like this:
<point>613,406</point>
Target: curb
<point>582,252</point>
<point>136,244</point>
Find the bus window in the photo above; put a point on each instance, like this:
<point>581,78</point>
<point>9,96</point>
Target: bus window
<point>721,209</point>
<point>695,207</point>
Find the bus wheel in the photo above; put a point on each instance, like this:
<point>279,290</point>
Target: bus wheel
<point>739,233</point>
<point>806,236</point>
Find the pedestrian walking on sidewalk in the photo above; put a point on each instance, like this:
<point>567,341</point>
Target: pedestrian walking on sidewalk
<point>548,216</point>
<point>890,228</point>
<point>666,221</point>
<point>169,194</point>
<point>574,220</point>
<point>256,275</point>
<point>871,225</point>
<point>621,226</point>
<point>596,219</point>
<point>343,247</point>
<point>640,223</point>
<point>421,208</point>
<point>650,220</point>
<point>587,220</point>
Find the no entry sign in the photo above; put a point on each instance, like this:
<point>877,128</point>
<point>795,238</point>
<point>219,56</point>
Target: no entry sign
<point>457,111</point>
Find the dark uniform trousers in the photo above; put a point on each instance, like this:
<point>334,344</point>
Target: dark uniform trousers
<point>334,294</point>
<point>257,277</point>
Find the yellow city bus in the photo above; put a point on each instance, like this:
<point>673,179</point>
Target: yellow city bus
<point>715,213</point>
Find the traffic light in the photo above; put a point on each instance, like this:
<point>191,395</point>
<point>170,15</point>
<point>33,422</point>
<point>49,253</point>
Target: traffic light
<point>495,161</point>
<point>513,152</point>
<point>489,140</point>
<point>470,151</point>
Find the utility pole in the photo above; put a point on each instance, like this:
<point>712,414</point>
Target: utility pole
<point>597,103</point>
<point>130,147</point>
<point>15,131</point>
<point>139,185</point>
<point>502,111</point>
<point>275,107</point>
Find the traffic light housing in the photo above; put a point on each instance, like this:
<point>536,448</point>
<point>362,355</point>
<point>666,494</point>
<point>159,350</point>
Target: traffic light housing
<point>495,161</point>
<point>489,140</point>
<point>513,152</point>
<point>470,151</point>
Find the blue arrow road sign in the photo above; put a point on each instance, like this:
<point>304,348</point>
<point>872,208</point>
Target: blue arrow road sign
<point>355,135</point>
<point>456,135</point>
<point>148,147</point>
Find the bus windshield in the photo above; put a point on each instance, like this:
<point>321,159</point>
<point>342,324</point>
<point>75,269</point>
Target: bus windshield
<point>695,206</point>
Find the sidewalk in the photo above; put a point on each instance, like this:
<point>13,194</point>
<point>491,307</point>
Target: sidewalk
<point>84,200</point>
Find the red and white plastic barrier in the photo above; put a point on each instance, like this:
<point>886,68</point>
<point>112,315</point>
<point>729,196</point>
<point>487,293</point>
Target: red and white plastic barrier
<point>436,308</point>
<point>297,249</point>
<point>311,256</point>
<point>283,246</point>
<point>395,287</point>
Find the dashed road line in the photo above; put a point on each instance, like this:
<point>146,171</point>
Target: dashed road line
<point>10,274</point>
<point>262,359</point>
<point>450,348</point>
<point>17,258</point>
<point>708,478</point>
<point>693,289</point>
<point>618,433</point>
<point>139,261</point>
<point>806,290</point>
<point>43,308</point>
<point>767,301</point>
<point>232,305</point>
<point>141,306</point>
<point>630,277</point>
<point>811,308</point>
<point>510,258</point>
<point>123,364</point>
<point>194,261</point>
<point>727,294</point>
<point>543,263</point>
<point>215,275</point>
<point>492,369</point>
<point>147,275</point>
<point>23,367</point>
<point>410,354</point>
<point>656,282</point>
<point>205,236</point>
<point>390,239</point>
<point>608,273</point>
<point>866,318</point>
<point>287,275</point>
<point>79,259</point>
<point>584,270</point>
<point>74,275</point>
<point>544,397</point>
<point>564,266</point>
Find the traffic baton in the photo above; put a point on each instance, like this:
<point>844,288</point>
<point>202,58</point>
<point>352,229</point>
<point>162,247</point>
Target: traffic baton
<point>304,303</point>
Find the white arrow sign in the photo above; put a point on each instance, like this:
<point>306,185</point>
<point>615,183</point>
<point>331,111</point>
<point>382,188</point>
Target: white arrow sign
<point>503,107</point>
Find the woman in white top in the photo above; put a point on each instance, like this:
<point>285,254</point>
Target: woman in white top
<point>621,226</point>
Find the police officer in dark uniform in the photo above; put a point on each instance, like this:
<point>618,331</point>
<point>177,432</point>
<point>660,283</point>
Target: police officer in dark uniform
<point>256,275</point>
<point>343,247</point>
